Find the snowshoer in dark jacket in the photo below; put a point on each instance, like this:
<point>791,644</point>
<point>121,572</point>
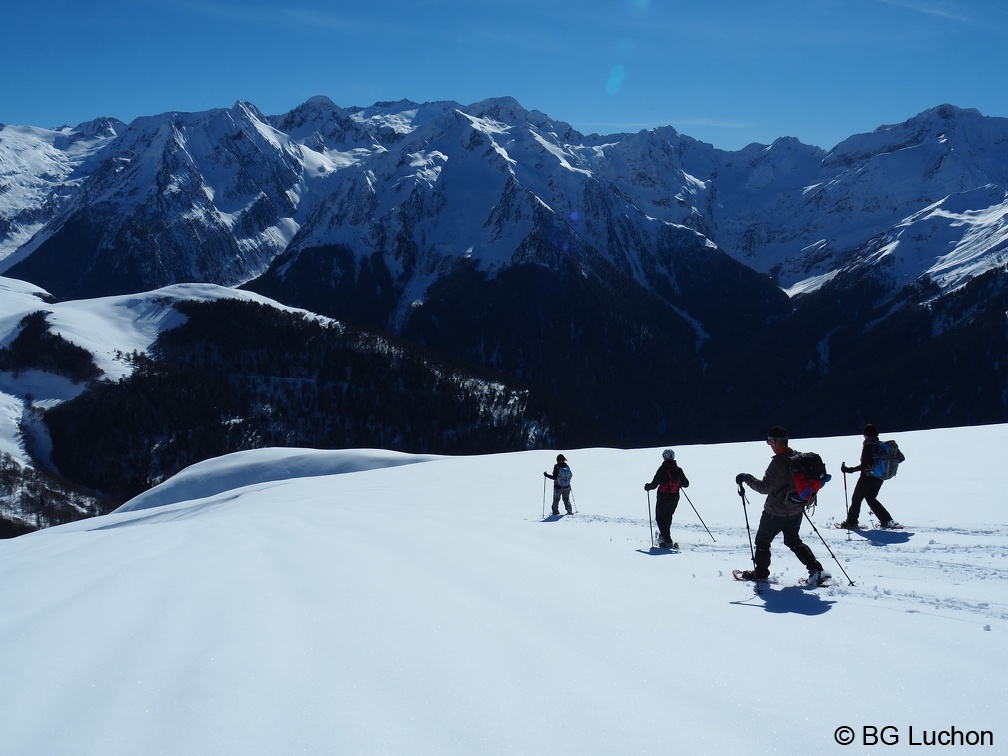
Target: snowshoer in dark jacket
<point>867,487</point>
<point>561,484</point>
<point>668,479</point>
<point>779,514</point>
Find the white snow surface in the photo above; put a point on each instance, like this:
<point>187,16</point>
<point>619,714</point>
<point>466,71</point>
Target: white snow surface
<point>319,602</point>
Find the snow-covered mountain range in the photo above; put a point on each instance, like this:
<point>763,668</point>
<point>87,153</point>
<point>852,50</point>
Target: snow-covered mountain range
<point>646,284</point>
<point>215,196</point>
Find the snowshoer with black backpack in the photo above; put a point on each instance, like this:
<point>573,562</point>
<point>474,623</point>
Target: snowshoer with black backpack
<point>668,479</point>
<point>561,478</point>
<point>873,474</point>
<point>782,513</point>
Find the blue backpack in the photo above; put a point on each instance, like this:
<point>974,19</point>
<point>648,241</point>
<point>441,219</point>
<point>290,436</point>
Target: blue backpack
<point>563,477</point>
<point>886,457</point>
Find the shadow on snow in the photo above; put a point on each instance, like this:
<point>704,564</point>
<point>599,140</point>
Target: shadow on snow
<point>793,599</point>
<point>879,537</point>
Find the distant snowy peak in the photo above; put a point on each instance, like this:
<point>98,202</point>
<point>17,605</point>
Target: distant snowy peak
<point>944,128</point>
<point>40,170</point>
<point>99,128</point>
<point>219,195</point>
<point>883,191</point>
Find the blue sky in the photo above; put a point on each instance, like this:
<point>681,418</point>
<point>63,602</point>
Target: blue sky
<point>728,72</point>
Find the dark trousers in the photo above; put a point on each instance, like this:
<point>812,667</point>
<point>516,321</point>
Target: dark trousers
<point>866,489</point>
<point>665,507</point>
<point>565,494</point>
<point>769,528</point>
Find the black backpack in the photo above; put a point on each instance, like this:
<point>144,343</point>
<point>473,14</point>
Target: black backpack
<point>808,476</point>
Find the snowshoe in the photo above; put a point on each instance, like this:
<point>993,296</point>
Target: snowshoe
<point>664,544</point>
<point>750,577</point>
<point>816,579</point>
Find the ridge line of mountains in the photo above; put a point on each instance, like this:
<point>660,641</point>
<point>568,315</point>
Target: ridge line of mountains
<point>634,289</point>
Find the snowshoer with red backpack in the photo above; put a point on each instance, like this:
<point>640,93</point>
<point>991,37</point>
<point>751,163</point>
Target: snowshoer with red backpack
<point>668,479</point>
<point>781,513</point>
<point>868,486</point>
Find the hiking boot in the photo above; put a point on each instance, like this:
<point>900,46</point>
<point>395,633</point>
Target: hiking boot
<point>848,525</point>
<point>570,511</point>
<point>817,577</point>
<point>890,525</point>
<point>556,512</point>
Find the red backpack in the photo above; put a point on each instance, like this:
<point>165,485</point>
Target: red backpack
<point>671,486</point>
<point>808,476</point>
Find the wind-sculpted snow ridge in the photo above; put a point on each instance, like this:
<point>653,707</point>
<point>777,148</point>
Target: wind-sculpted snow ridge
<point>233,471</point>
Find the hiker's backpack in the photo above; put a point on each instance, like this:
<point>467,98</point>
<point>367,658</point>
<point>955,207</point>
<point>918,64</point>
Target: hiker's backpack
<point>808,476</point>
<point>671,485</point>
<point>886,457</point>
<point>563,477</point>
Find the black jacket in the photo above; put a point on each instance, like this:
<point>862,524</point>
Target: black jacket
<point>868,449</point>
<point>669,476</point>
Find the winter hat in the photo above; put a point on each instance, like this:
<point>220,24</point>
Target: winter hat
<point>777,433</point>
<point>870,430</point>
<point>561,458</point>
<point>668,454</point>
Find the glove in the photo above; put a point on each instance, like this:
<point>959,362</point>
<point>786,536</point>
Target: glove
<point>647,486</point>
<point>545,474</point>
<point>844,468</point>
<point>741,478</point>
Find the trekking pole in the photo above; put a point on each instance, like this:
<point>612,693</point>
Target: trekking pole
<point>827,547</point>
<point>650,527</point>
<point>846,503</point>
<point>752,551</point>
<point>699,517</point>
<point>573,500</point>
<point>544,497</point>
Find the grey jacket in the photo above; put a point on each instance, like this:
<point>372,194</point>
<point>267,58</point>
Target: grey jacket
<point>775,484</point>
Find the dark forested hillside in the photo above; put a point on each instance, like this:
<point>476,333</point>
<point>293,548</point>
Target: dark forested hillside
<point>33,498</point>
<point>850,354</point>
<point>36,348</point>
<point>240,375</point>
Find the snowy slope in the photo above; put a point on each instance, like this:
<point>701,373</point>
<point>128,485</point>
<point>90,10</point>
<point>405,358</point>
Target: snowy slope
<point>426,608</point>
<point>111,328</point>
